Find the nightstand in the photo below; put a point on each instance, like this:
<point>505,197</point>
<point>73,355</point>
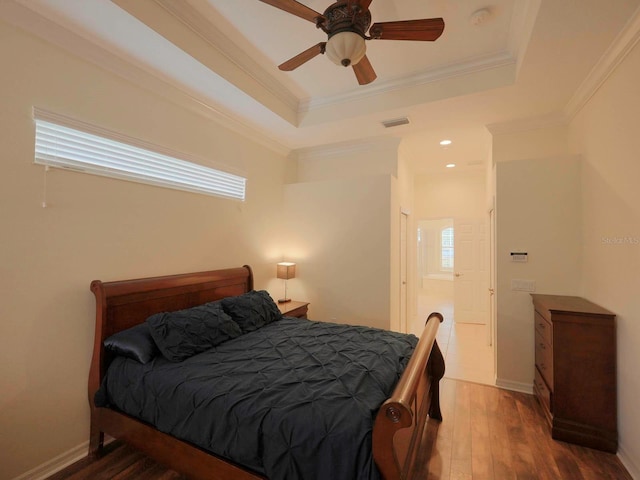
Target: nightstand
<point>294,309</point>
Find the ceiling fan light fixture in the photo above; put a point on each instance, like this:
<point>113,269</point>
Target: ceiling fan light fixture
<point>346,48</point>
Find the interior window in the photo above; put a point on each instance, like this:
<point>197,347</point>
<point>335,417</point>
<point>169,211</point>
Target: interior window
<point>446,249</point>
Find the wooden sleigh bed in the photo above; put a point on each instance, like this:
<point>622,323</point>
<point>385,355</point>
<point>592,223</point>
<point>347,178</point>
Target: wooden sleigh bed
<point>397,438</point>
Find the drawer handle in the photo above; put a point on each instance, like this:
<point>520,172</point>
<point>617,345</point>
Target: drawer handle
<point>541,325</point>
<point>542,346</point>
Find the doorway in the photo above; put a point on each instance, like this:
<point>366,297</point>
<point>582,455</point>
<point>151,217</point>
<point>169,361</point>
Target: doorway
<point>436,260</point>
<point>452,257</point>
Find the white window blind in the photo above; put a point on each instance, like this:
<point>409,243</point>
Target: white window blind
<point>65,147</point>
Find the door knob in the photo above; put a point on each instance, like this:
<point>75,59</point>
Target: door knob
<point>458,274</point>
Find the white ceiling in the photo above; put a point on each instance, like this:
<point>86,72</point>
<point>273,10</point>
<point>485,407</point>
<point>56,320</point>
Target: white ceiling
<point>527,59</point>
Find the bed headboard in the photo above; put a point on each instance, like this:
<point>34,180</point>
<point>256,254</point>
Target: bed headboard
<point>123,304</point>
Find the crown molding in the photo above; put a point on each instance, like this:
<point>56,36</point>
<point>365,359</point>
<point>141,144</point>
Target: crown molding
<point>556,119</point>
<point>199,24</point>
<point>624,42</point>
<point>128,68</point>
<point>459,69</point>
<point>613,56</point>
<point>194,45</point>
<point>519,34</point>
<point>194,19</point>
<point>342,148</point>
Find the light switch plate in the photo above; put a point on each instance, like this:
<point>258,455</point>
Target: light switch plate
<point>523,285</point>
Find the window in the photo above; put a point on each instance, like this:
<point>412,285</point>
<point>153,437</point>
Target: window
<point>446,249</point>
<point>58,144</point>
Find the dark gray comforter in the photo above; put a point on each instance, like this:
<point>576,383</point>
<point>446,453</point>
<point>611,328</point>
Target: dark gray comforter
<point>295,399</point>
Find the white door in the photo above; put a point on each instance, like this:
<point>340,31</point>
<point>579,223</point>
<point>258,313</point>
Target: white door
<point>403,272</point>
<point>471,274</point>
<point>492,277</point>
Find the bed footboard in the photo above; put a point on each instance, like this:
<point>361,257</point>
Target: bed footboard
<point>400,422</point>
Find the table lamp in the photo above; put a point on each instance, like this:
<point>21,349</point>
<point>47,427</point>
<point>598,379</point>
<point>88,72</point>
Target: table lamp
<point>286,270</point>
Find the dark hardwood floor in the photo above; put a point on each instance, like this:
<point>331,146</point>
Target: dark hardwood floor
<point>487,434</point>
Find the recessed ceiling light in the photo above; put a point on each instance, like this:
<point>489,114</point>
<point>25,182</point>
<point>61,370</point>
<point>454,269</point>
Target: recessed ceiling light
<point>445,142</point>
<point>451,165</point>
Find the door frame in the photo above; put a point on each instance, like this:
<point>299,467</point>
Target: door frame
<point>404,311</point>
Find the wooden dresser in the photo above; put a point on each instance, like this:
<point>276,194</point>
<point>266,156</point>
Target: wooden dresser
<point>575,372</point>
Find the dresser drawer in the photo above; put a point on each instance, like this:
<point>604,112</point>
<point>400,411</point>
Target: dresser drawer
<point>544,359</point>
<point>543,326</point>
<point>542,391</point>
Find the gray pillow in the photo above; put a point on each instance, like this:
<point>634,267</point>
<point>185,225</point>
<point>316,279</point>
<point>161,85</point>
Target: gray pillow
<point>184,333</point>
<point>252,310</point>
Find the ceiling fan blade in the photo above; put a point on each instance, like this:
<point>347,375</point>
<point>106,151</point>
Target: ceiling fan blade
<point>303,57</point>
<point>364,71</point>
<point>364,4</point>
<point>422,30</point>
<point>295,8</point>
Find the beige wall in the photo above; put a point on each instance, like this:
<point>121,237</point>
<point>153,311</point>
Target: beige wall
<point>345,211</point>
<point>605,133</point>
<point>99,228</point>
<point>544,142</point>
<point>374,157</point>
<point>538,212</point>
<point>337,231</point>
<point>450,194</point>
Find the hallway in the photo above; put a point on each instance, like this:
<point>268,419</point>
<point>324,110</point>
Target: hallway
<point>465,347</point>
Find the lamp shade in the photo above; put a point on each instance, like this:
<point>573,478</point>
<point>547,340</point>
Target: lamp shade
<point>346,48</point>
<point>286,270</point>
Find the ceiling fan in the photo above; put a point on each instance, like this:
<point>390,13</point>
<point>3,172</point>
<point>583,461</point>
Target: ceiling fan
<point>346,23</point>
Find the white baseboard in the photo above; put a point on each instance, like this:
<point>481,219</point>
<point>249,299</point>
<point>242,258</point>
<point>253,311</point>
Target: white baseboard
<point>631,466</point>
<point>515,386</point>
<point>56,464</point>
